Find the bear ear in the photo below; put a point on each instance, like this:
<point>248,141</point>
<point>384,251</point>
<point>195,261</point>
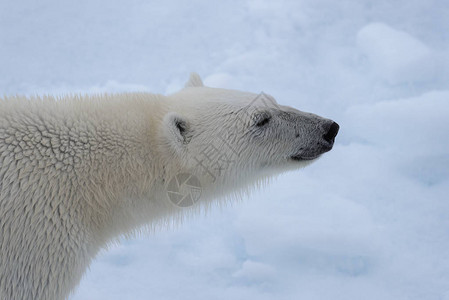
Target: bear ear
<point>194,81</point>
<point>176,129</point>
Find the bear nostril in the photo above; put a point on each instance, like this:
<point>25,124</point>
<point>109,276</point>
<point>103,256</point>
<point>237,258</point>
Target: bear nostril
<point>332,133</point>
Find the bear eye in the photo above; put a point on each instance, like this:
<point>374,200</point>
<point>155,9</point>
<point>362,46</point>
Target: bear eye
<point>262,119</point>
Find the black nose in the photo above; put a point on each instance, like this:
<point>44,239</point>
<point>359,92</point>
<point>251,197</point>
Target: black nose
<point>331,133</point>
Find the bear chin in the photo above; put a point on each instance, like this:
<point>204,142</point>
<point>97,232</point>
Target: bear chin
<point>304,158</point>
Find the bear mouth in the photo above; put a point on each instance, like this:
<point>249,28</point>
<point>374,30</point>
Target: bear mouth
<point>303,157</point>
<point>311,154</point>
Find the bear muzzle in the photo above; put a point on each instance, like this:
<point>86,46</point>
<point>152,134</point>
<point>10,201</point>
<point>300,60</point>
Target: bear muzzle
<point>324,145</point>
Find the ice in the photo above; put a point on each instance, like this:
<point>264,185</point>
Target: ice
<point>395,55</point>
<point>416,124</point>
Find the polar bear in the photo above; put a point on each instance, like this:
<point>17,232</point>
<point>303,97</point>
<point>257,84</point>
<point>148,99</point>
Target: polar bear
<point>79,171</point>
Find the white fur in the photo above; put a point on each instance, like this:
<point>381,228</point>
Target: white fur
<point>77,172</point>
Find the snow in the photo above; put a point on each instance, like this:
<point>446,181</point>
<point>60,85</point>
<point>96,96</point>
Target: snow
<point>369,220</point>
<point>395,55</point>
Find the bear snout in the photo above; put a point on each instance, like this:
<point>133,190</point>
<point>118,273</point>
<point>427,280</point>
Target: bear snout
<point>331,132</point>
<point>317,146</point>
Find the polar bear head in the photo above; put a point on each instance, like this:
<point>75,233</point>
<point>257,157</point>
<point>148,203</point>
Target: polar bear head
<point>230,139</point>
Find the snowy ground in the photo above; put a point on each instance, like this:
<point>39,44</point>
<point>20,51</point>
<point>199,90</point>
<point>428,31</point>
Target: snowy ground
<point>370,220</point>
